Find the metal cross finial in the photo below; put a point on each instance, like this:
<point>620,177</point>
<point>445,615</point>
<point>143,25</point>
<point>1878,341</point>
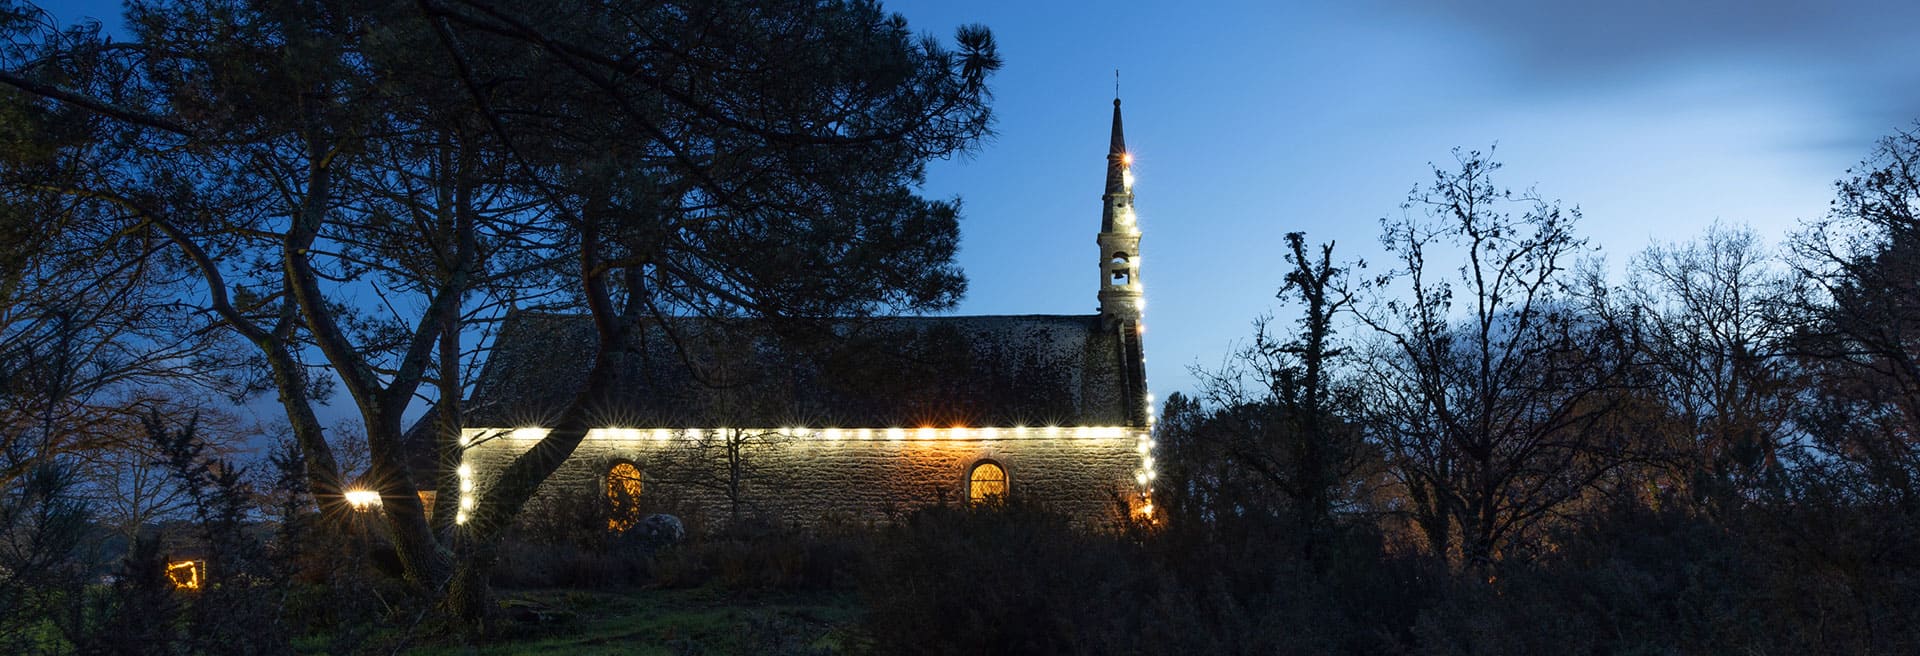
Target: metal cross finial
<point>1116,84</point>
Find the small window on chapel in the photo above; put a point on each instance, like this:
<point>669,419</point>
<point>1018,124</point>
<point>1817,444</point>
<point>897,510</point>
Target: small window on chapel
<point>1122,274</point>
<point>623,496</point>
<point>987,483</point>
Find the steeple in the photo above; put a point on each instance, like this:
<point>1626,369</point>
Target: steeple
<point>1122,299</point>
<point>1118,162</point>
<point>1119,238</point>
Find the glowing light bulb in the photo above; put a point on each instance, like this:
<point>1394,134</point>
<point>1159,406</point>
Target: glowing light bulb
<point>362,499</point>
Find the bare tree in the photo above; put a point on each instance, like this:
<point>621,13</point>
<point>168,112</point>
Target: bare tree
<point>1713,317</point>
<point>1860,340</point>
<point>1489,390</point>
<point>1278,410</point>
<point>737,464</point>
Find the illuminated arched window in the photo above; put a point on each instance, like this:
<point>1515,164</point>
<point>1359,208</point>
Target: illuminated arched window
<point>987,482</point>
<point>623,496</point>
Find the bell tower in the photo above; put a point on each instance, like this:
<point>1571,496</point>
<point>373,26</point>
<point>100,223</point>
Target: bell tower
<point>1121,300</point>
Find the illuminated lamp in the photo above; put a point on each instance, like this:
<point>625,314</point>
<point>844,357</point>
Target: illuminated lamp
<point>362,500</point>
<point>187,574</point>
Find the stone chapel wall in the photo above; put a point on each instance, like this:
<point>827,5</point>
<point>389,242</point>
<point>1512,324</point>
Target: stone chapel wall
<point>864,479</point>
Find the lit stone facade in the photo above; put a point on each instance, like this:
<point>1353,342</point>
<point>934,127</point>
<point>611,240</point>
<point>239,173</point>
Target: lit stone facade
<point>1080,473</point>
<point>884,414</point>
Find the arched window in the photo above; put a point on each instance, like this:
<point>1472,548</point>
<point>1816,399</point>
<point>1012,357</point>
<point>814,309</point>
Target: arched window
<point>987,482</point>
<point>1122,274</point>
<point>623,496</point>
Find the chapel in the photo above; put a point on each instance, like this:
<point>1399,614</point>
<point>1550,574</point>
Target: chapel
<point>861,417</point>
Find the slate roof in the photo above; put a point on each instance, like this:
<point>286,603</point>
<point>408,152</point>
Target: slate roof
<point>1024,370</point>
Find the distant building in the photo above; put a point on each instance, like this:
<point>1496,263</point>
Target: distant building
<point>855,416</point>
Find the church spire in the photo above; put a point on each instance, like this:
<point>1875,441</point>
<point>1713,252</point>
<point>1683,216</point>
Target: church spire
<point>1122,299</point>
<point>1118,162</point>
<point>1119,237</point>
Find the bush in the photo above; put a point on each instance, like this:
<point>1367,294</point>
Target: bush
<point>1018,579</point>
<point>764,553</point>
<point>563,540</point>
<point>1005,579</point>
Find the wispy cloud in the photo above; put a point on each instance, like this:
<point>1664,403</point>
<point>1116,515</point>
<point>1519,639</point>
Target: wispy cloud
<point>1858,56</point>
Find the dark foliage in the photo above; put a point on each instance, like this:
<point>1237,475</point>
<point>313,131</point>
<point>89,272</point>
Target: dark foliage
<point>43,525</point>
<point>140,613</point>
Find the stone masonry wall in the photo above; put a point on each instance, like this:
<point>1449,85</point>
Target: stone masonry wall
<point>866,479</point>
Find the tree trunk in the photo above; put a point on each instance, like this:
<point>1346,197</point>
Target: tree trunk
<point>469,599</point>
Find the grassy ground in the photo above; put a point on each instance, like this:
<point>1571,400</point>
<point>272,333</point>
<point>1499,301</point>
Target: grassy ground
<point>662,621</point>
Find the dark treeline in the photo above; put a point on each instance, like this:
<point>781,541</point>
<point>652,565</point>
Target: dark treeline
<point>1485,446</point>
<point>1715,455</point>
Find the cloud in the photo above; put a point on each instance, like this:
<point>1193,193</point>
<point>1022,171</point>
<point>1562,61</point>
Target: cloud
<point>1856,55</point>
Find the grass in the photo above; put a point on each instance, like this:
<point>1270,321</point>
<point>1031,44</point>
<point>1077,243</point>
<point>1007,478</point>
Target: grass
<point>708,620</point>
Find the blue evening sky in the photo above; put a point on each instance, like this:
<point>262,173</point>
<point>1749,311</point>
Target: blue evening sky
<point>1249,120</point>
<point>1252,119</point>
